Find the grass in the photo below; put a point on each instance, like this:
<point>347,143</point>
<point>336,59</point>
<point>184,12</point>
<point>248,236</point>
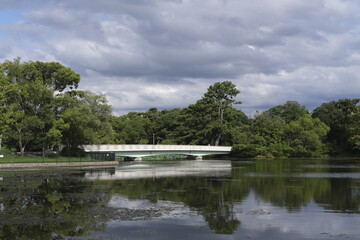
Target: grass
<point>37,159</point>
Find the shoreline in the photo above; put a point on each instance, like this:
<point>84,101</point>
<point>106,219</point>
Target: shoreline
<point>59,164</point>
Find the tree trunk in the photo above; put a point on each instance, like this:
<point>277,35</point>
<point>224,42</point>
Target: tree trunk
<point>221,115</point>
<point>43,152</point>
<point>217,140</point>
<point>22,150</point>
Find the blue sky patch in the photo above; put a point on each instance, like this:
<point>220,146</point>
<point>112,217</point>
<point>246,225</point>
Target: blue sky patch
<point>10,16</point>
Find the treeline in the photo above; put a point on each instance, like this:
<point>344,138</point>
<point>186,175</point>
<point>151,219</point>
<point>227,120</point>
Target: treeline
<point>288,130</point>
<point>41,109</point>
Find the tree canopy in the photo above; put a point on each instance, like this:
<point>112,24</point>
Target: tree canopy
<point>339,116</point>
<point>41,109</point>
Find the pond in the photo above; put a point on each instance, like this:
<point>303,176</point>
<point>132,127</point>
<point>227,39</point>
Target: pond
<point>209,199</point>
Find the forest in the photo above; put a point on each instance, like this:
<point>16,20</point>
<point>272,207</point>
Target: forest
<point>41,109</point>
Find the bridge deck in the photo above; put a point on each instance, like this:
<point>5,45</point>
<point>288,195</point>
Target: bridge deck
<point>141,150</point>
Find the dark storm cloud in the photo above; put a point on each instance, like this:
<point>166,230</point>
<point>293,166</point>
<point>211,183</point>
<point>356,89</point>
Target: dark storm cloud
<point>147,53</point>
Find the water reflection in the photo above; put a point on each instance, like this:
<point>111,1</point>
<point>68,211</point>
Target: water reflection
<point>175,169</point>
<point>260,199</point>
<point>43,205</point>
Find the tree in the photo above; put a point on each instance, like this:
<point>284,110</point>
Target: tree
<point>268,130</point>
<point>284,130</point>
<point>206,121</point>
<point>290,111</point>
<point>40,109</point>
<point>355,129</point>
<point>338,116</point>
<point>221,96</point>
<point>166,125</point>
<point>87,117</point>
<point>131,128</point>
<point>27,101</point>
<point>305,137</point>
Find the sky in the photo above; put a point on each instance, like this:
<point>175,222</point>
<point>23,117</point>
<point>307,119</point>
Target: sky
<point>166,53</point>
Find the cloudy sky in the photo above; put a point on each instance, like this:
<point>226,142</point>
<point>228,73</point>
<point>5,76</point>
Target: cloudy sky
<point>166,53</point>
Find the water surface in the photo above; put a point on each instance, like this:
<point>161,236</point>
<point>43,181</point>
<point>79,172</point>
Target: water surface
<point>217,199</point>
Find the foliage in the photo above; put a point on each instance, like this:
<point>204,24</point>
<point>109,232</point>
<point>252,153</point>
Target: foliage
<point>73,151</point>
<point>355,129</point>
<point>290,111</point>
<point>285,130</point>
<point>210,120</point>
<point>305,137</point>
<point>87,117</point>
<point>338,116</point>
<point>40,109</point>
<point>28,92</point>
<point>130,129</point>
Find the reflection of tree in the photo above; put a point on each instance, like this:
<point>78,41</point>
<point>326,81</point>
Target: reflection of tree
<point>222,220</point>
<point>46,206</point>
<point>292,193</point>
<point>276,185</point>
<point>343,196</point>
<point>212,198</point>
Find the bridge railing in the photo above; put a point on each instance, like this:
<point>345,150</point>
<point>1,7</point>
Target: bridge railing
<point>143,147</point>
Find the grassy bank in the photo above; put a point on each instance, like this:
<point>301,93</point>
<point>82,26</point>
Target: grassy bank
<point>8,158</point>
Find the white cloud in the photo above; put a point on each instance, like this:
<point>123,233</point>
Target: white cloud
<point>166,53</point>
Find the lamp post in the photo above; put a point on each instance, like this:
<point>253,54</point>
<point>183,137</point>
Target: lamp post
<point>153,138</point>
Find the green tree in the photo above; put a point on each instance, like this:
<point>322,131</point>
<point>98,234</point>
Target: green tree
<point>290,111</point>
<point>355,129</point>
<point>167,123</point>
<point>86,118</point>
<point>219,97</point>
<point>305,137</point>
<point>130,129</point>
<point>262,137</point>
<point>338,116</point>
<point>284,130</point>
<point>207,121</point>
<point>27,101</point>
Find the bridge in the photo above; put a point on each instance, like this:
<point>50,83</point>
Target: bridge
<point>137,151</point>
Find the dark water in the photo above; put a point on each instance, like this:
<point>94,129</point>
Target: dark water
<point>259,199</point>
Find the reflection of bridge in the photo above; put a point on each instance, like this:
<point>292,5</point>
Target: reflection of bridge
<point>221,168</point>
<point>139,151</point>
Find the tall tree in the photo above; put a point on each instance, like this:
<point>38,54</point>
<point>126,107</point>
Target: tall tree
<point>27,98</point>
<point>221,96</point>
<point>305,137</point>
<point>131,128</point>
<point>284,130</point>
<point>290,111</point>
<point>87,117</point>
<point>338,116</point>
<point>207,121</point>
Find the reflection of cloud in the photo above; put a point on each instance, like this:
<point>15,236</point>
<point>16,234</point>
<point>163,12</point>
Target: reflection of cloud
<point>311,222</point>
<point>179,168</point>
<point>147,51</point>
<point>277,223</point>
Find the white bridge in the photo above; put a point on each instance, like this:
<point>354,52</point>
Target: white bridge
<point>138,151</point>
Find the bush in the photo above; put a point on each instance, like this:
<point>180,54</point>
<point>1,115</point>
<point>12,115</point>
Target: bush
<point>248,150</point>
<point>73,152</point>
